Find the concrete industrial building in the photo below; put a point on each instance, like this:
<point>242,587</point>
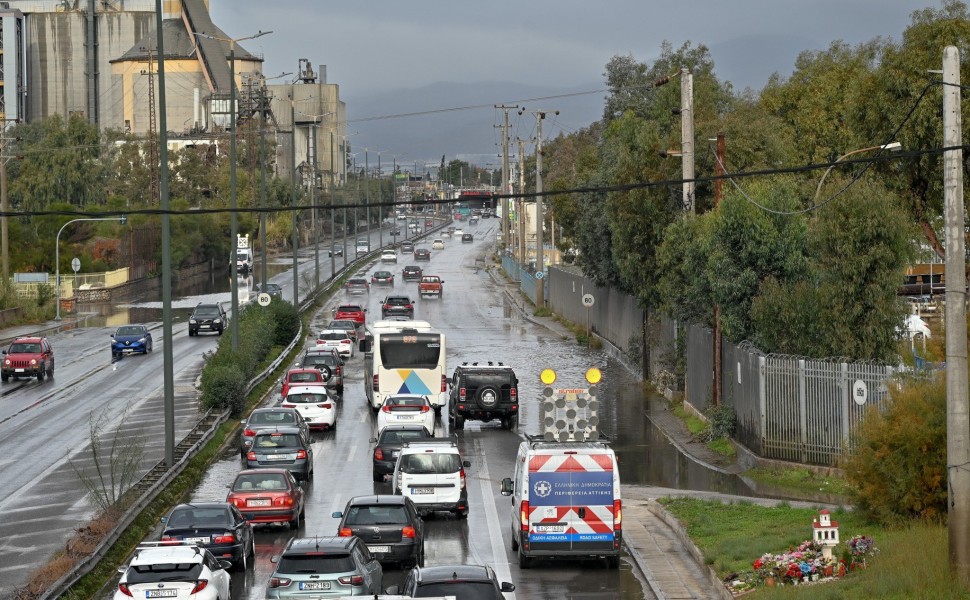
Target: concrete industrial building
<point>98,58</point>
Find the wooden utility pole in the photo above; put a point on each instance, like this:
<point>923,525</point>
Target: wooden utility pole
<point>506,188</point>
<point>957,404</point>
<point>540,259</point>
<point>521,203</point>
<point>719,170</point>
<point>687,137</point>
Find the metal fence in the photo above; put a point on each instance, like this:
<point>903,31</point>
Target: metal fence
<point>786,407</point>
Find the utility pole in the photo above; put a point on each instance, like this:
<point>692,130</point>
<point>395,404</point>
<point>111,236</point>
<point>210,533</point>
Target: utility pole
<point>957,404</point>
<point>262,186</point>
<point>506,187</point>
<point>295,238</point>
<point>5,204</point>
<point>720,150</point>
<point>520,212</point>
<point>233,217</point>
<point>540,259</point>
<point>687,136</point>
<point>313,204</point>
<point>333,222</point>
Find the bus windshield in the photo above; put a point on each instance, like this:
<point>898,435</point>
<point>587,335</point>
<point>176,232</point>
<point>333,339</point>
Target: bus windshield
<point>410,351</point>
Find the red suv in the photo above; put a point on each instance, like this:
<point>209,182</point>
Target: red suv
<point>28,357</point>
<point>353,312</point>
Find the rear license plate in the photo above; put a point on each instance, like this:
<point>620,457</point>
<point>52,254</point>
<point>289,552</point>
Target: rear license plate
<point>272,457</point>
<point>395,453</point>
<point>379,549</point>
<point>422,490</point>
<point>404,417</point>
<point>161,593</point>
<point>557,528</point>
<point>264,502</point>
<point>197,540</point>
<point>314,585</point>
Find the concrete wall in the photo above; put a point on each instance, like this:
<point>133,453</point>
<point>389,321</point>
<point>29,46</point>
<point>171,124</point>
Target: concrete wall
<point>614,315</point>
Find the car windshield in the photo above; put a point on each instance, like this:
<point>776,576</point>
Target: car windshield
<point>313,360</point>
<point>306,398</point>
<point>277,440</point>
<point>356,282</point>
<point>427,463</point>
<point>377,515</point>
<point>405,401</point>
<point>292,564</point>
<point>332,335</point>
<point>466,590</point>
<point>130,330</point>
<point>349,308</point>
<point>306,376</point>
<point>163,572</point>
<point>397,301</point>
<point>259,481</point>
<point>207,311</point>
<point>272,418</point>
<point>391,436</point>
<point>342,324</point>
<point>21,348</point>
<point>199,517</point>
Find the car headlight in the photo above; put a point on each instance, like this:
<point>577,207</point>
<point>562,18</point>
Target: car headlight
<point>142,340</point>
<point>33,361</point>
<point>6,362</point>
<point>192,321</point>
<point>217,321</point>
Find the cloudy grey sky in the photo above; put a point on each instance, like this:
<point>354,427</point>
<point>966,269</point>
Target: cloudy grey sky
<point>372,47</point>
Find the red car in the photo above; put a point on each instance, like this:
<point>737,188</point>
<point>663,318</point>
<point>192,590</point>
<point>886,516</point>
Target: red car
<point>302,377</point>
<point>268,496</point>
<point>28,357</point>
<point>353,312</point>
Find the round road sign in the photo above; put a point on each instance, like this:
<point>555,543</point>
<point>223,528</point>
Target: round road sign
<point>860,392</point>
<point>76,264</point>
<point>539,275</point>
<point>263,299</point>
<point>588,300</point>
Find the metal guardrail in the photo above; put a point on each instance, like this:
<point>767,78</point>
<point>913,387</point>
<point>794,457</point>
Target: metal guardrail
<point>86,565</point>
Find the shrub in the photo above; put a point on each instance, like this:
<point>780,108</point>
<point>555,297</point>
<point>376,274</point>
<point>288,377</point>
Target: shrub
<point>898,465</point>
<point>720,421</point>
<point>287,321</point>
<point>223,386</point>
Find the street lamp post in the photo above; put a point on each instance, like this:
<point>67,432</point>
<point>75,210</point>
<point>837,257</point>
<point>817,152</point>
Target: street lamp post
<point>313,178</point>
<point>262,179</point>
<point>234,218</point>
<point>893,146</point>
<point>57,255</point>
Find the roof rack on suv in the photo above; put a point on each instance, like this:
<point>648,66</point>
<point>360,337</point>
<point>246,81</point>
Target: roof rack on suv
<point>490,364</point>
<point>432,442</point>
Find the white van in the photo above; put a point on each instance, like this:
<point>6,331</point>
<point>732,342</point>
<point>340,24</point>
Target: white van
<point>363,246</point>
<point>431,473</point>
<point>565,502</point>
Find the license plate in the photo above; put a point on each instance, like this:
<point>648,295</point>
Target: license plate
<point>161,593</point>
<point>395,453</point>
<point>379,549</point>
<point>404,417</point>
<point>272,457</point>
<point>258,503</point>
<point>558,528</point>
<point>18,370</point>
<point>422,490</point>
<point>205,326</point>
<point>314,585</point>
<point>197,540</point>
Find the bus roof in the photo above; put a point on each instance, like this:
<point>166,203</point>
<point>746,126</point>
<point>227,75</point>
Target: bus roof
<point>396,326</point>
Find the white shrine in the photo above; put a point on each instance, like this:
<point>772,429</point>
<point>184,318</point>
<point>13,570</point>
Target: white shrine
<point>825,532</point>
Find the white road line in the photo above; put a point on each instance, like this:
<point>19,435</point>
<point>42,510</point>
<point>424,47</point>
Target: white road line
<point>353,451</point>
<point>500,563</point>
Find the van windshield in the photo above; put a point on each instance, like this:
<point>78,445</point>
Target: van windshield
<point>427,464</point>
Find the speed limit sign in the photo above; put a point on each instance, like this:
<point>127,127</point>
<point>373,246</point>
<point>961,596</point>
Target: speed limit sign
<point>588,300</point>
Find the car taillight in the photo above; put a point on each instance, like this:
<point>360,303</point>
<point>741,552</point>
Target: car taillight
<point>425,409</point>
<point>617,515</point>
<point>123,588</point>
<point>352,580</point>
<point>347,341</point>
<point>321,342</point>
<point>325,405</point>
<point>387,307</point>
<point>386,409</point>
<point>444,384</point>
<point>300,454</point>
<point>378,454</point>
<point>408,532</point>
<point>524,515</point>
<point>461,475</point>
<point>168,538</point>
<point>224,539</point>
<point>461,394</point>
<point>513,394</point>
<point>251,455</point>
<point>278,582</point>
<point>289,406</point>
<point>283,501</point>
<point>345,532</point>
<point>199,586</point>
<point>237,502</point>
<point>376,384</point>
<point>340,369</point>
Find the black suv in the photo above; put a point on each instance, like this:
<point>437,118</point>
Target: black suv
<point>484,392</point>
<point>397,306</point>
<point>207,317</point>
<point>389,443</point>
<point>412,273</point>
<point>314,357</point>
<point>462,581</point>
<point>388,524</point>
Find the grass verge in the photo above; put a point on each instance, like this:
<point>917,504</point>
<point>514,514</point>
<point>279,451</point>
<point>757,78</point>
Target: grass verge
<point>799,479</point>
<point>911,563</point>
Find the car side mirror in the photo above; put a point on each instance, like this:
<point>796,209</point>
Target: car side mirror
<point>122,569</point>
<point>507,486</point>
<point>225,565</point>
<point>337,514</point>
<point>373,440</point>
<point>466,463</point>
<point>507,587</point>
<point>163,520</point>
<point>243,421</point>
<point>393,590</point>
<point>111,335</point>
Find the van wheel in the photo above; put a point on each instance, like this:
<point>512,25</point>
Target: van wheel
<point>378,478</point>
<point>515,542</point>
<point>524,561</point>
<point>613,562</point>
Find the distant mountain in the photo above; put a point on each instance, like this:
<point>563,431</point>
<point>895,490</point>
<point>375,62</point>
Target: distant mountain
<point>458,120</point>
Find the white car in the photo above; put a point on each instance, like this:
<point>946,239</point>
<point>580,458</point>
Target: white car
<point>432,474</point>
<point>339,340</point>
<point>173,570</point>
<point>457,233</point>
<point>405,409</point>
<point>389,255</point>
<point>312,402</point>
<point>438,244</point>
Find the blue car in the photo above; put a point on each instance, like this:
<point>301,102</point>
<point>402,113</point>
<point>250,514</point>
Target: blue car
<point>129,339</point>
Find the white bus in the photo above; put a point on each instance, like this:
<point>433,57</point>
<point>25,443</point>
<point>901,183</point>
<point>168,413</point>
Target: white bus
<point>404,357</point>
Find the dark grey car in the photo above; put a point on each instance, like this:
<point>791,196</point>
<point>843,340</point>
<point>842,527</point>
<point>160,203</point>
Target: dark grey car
<point>461,581</point>
<point>267,419</point>
<point>282,448</point>
<point>388,524</point>
<point>325,566</point>
<point>397,306</point>
<point>314,357</point>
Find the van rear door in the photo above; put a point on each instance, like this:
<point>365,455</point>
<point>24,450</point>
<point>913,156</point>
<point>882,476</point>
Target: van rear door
<point>571,502</point>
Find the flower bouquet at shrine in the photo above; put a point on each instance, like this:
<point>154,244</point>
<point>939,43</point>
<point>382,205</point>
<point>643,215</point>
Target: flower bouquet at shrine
<point>861,549</point>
